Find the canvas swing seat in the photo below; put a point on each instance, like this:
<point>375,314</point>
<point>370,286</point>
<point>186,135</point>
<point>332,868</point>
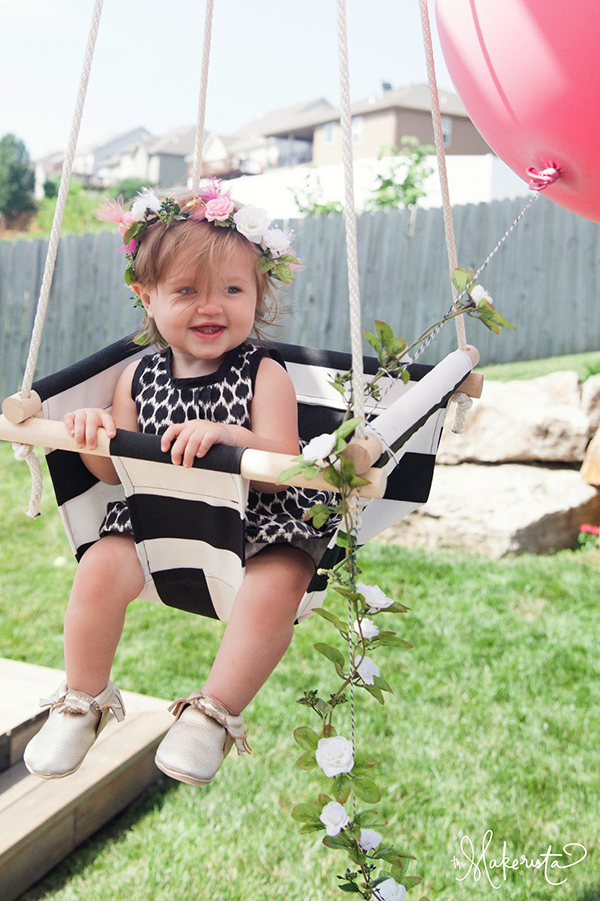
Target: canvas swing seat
<point>189,524</point>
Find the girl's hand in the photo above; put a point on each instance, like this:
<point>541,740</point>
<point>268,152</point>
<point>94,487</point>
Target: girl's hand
<point>83,426</point>
<point>193,439</point>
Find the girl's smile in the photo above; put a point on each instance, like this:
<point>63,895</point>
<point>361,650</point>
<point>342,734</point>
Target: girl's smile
<point>202,324</point>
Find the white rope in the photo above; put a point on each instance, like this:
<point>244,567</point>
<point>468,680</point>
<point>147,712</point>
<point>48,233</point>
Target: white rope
<point>463,405</point>
<point>197,170</point>
<point>38,325</point>
<point>25,452</point>
<point>441,160</point>
<point>350,220</point>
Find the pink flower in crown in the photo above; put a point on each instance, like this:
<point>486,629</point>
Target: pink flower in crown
<point>126,223</point>
<point>128,248</point>
<point>112,210</point>
<point>213,192</point>
<point>219,208</point>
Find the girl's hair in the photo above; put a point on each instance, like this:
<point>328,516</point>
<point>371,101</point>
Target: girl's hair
<point>209,247</point>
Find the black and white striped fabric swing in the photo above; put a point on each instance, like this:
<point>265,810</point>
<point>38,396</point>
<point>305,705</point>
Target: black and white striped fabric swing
<point>189,524</point>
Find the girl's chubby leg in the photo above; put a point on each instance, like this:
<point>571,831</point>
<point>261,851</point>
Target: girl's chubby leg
<point>108,578</point>
<point>261,625</point>
<point>257,636</point>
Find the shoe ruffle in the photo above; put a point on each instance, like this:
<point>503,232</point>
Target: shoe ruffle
<point>64,700</point>
<point>234,725</point>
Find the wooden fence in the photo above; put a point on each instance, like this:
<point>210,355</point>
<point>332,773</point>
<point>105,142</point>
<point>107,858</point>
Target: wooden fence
<point>543,279</point>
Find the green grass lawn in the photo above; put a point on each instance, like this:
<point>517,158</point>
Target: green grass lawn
<point>493,726</point>
<point>584,364</point>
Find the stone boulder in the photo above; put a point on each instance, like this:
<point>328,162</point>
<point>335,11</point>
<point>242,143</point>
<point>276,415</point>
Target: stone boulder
<point>500,510</point>
<point>590,401</point>
<point>535,420</point>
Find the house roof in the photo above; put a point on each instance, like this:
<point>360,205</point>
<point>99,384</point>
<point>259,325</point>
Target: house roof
<point>281,121</point>
<point>415,97</point>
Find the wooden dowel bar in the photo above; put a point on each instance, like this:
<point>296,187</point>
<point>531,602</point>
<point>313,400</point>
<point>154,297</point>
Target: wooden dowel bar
<point>472,385</point>
<point>258,466</point>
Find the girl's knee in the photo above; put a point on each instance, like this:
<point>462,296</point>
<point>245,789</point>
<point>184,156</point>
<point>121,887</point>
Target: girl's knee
<point>111,568</point>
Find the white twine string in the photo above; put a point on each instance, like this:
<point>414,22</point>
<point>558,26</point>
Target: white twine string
<point>436,119</point>
<point>358,400</point>
<point>197,169</point>
<point>24,451</point>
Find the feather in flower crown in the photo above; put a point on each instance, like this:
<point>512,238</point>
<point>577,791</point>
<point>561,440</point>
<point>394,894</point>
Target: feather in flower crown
<point>210,203</point>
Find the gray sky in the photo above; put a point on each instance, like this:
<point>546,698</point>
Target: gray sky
<point>266,54</point>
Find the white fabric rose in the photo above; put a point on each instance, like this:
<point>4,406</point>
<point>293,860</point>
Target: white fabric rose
<point>334,817</point>
<point>366,669</point>
<point>367,627</point>
<point>369,839</point>
<point>252,222</point>
<point>277,241</point>
<point>335,755</point>
<point>478,293</point>
<point>145,200</point>
<point>390,891</point>
<point>374,597</point>
<point>319,447</point>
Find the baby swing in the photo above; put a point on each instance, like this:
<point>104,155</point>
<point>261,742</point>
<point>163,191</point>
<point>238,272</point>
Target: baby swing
<point>189,524</point>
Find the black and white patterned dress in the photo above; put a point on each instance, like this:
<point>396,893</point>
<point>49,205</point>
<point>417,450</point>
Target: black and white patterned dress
<point>222,396</point>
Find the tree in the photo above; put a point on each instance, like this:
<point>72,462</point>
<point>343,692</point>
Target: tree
<point>310,199</point>
<point>16,180</point>
<point>129,187</point>
<point>402,185</point>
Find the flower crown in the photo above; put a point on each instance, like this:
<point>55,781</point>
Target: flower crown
<point>210,203</point>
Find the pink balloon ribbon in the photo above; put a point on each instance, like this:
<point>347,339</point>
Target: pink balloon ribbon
<point>539,180</point>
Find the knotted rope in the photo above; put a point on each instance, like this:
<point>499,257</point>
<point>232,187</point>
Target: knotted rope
<point>24,452</point>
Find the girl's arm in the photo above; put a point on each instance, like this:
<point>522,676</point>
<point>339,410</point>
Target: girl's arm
<point>83,425</point>
<point>273,423</point>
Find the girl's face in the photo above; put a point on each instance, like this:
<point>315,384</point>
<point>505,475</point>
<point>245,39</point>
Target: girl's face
<point>199,328</point>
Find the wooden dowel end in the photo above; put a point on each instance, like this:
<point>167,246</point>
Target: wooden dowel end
<point>472,385</point>
<point>18,409</point>
<point>363,452</point>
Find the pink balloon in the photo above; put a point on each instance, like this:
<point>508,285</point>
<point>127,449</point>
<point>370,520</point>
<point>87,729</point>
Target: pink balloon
<point>528,73</point>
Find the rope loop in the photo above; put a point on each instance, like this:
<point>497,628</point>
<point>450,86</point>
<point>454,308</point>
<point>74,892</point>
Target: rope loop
<point>25,452</point>
<point>463,405</point>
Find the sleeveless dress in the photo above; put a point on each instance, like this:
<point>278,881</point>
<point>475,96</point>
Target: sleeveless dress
<point>223,396</point>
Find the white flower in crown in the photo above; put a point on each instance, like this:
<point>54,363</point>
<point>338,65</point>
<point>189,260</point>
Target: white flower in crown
<point>252,222</point>
<point>374,597</point>
<point>319,448</point>
<point>335,755</point>
<point>390,891</point>
<point>366,669</point>
<point>277,241</point>
<point>369,839</point>
<point>144,201</point>
<point>334,817</point>
<point>367,627</point>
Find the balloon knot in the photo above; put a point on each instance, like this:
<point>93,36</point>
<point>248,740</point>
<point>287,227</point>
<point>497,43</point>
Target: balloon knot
<point>539,180</point>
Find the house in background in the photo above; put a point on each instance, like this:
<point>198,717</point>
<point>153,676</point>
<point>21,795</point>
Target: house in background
<point>382,120</point>
<point>87,162</point>
<point>272,141</point>
<point>159,161</point>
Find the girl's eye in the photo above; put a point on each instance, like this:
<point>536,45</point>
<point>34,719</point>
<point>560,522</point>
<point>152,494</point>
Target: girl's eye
<point>232,289</point>
<point>186,291</point>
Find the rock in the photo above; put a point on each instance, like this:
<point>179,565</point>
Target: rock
<point>500,510</point>
<point>591,464</point>
<point>590,401</point>
<point>535,420</point>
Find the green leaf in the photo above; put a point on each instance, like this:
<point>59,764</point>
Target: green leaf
<point>366,789</point>
<point>307,738</point>
<point>349,887</point>
<point>409,881</point>
<point>289,473</point>
<point>328,730</point>
<point>460,279</point>
<point>337,842</point>
<point>391,641</point>
<point>347,427</point>
<point>385,332</point>
<point>376,692</point>
<point>307,761</point>
<point>326,614</point>
<point>382,684</point>
<point>363,761</point>
<point>342,787</point>
<point>265,264</point>
<point>306,811</point>
<point>368,819</point>
<point>284,273</point>
<point>391,855</point>
<point>315,826</point>
<point>330,652</point>
<point>373,341</point>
